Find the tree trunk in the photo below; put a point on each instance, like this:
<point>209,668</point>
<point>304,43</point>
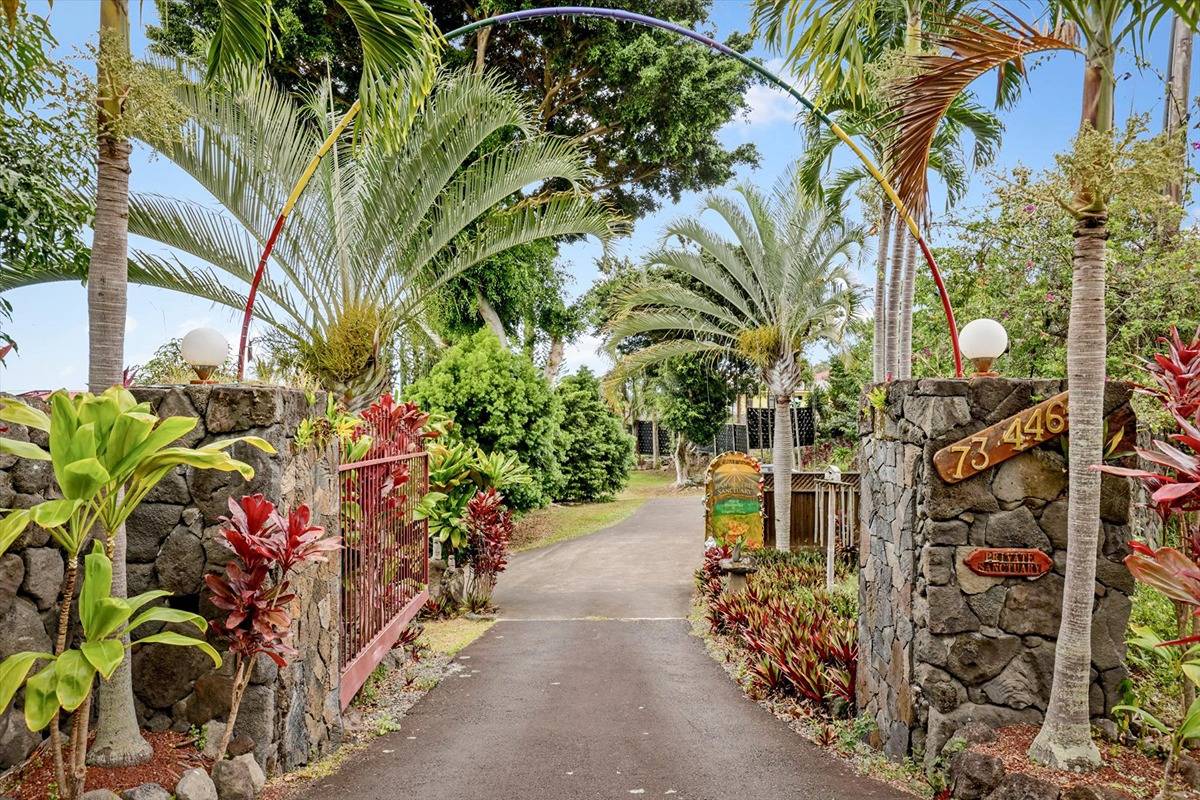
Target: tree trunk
<point>681,460</point>
<point>879,345</point>
<point>1175,113</point>
<point>554,358</point>
<point>118,740</point>
<point>654,455</point>
<point>1065,740</point>
<point>481,43</point>
<point>904,357</point>
<point>781,469</point>
<point>491,318</point>
<point>893,300</point>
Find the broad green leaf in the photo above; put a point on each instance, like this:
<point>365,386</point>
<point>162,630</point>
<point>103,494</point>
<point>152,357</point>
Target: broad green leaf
<point>253,441</point>
<point>23,414</point>
<point>167,431</point>
<point>105,656</point>
<point>41,698</point>
<point>80,480</point>
<point>204,459</point>
<point>1190,727</point>
<point>83,443</point>
<point>101,413</point>
<point>1146,717</point>
<point>171,615</point>
<point>53,513</point>
<point>23,450</point>
<point>63,422</point>
<point>97,585</point>
<point>12,526</point>
<point>128,431</point>
<point>170,637</point>
<point>75,677</point>
<point>109,614</point>
<point>124,399</point>
<point>13,671</point>
<point>140,600</point>
<point>1192,670</point>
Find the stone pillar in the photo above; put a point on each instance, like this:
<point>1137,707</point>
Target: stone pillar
<point>293,714</point>
<point>939,645</point>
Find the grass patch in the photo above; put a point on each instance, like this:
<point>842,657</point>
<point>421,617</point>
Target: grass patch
<point>561,522</point>
<point>448,636</point>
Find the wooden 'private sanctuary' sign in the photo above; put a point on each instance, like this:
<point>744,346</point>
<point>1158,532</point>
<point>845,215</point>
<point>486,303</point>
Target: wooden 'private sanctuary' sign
<point>1009,562</point>
<point>1002,441</point>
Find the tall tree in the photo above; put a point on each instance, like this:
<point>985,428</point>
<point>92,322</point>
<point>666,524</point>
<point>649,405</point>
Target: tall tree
<point>781,284</point>
<point>1178,96</point>
<point>855,50</point>
<point>394,33</point>
<point>972,47</point>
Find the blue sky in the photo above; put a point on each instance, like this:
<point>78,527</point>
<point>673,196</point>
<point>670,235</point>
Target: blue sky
<point>50,322</point>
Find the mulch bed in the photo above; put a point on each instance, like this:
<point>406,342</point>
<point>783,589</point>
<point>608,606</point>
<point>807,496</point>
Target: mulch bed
<point>1125,768</point>
<point>174,754</point>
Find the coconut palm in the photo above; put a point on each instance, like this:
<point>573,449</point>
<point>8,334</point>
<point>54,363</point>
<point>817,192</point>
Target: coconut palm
<point>383,225</point>
<point>971,48</point>
<point>781,284</point>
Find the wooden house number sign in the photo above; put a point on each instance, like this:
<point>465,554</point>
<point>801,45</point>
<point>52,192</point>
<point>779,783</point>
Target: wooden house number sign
<point>1003,440</point>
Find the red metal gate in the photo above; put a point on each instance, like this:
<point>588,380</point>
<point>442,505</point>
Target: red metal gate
<point>385,558</point>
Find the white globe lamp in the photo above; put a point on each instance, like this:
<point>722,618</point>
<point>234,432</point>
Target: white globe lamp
<point>204,349</point>
<point>983,341</point>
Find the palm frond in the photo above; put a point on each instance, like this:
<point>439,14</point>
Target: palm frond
<point>976,46</point>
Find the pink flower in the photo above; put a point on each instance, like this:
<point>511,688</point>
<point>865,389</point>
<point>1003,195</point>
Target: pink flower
<point>1029,208</point>
<point>1051,297</point>
<point>1196,145</point>
<point>1028,263</point>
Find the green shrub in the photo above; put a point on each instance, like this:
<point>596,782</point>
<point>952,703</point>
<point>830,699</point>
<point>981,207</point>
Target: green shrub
<point>499,402</point>
<point>597,453</point>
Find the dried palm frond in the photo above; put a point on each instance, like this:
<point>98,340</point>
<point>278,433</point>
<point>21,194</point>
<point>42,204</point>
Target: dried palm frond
<point>976,46</point>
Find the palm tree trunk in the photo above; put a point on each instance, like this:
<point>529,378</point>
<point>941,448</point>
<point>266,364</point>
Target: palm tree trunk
<point>654,456</point>
<point>491,318</point>
<point>1065,740</point>
<point>118,740</point>
<point>781,469</point>
<point>879,345</point>
<point>893,301</point>
<point>1175,113</point>
<point>904,358</point>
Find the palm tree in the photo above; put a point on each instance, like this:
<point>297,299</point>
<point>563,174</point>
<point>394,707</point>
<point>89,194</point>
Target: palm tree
<point>973,47</point>
<point>393,32</point>
<point>840,43</point>
<point>384,226</point>
<point>780,285</point>
<point>1175,107</point>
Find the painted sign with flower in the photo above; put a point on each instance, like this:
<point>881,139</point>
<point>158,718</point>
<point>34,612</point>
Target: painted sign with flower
<point>733,501</point>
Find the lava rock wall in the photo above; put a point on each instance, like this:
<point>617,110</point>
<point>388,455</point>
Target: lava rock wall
<point>940,646</point>
<point>291,715</point>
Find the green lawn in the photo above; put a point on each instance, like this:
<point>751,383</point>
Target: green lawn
<point>560,522</point>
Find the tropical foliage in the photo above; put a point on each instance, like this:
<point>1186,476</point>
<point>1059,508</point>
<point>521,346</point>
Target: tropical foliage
<point>254,590</point>
<point>499,403</point>
<point>596,451</point>
<point>359,259</point>
<point>780,285</point>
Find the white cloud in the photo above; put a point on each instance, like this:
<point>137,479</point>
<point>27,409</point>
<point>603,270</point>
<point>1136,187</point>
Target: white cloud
<point>768,105</point>
<point>585,352</point>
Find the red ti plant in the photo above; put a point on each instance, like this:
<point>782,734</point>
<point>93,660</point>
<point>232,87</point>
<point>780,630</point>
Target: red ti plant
<point>254,591</point>
<point>490,525</point>
<point>1176,374</point>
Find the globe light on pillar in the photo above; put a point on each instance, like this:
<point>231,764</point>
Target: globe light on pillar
<point>204,349</point>
<point>983,341</point>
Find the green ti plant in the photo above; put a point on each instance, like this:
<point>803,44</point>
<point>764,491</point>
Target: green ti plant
<point>107,452</point>
<point>65,680</point>
<point>1184,660</point>
<point>457,472</point>
<point>336,423</point>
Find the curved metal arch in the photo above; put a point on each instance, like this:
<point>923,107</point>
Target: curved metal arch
<point>651,22</point>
